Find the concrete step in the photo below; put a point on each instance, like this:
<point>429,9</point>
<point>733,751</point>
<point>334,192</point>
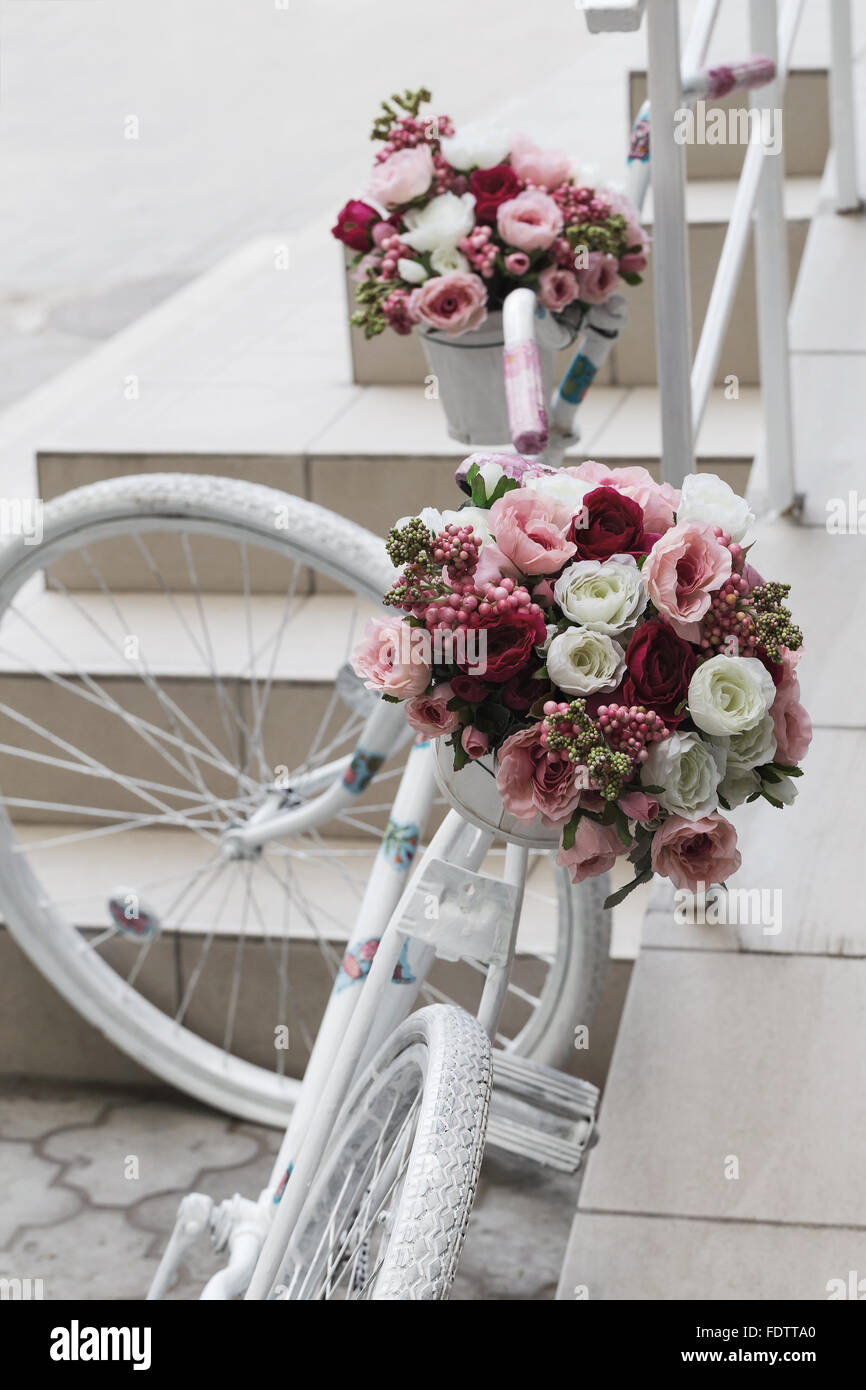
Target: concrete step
<point>805,125</point>
<point>711,1091</point>
<point>388,454</point>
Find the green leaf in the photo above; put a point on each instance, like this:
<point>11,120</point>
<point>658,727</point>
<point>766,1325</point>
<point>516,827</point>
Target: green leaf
<point>769,774</point>
<point>651,791</point>
<point>630,277</point>
<point>569,831</point>
<point>615,899</point>
<point>788,769</point>
<point>504,485</point>
<point>772,800</point>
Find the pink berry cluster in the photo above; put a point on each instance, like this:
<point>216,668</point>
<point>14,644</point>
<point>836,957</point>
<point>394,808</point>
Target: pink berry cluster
<point>458,548</point>
<point>392,250</point>
<point>396,311</point>
<point>580,204</point>
<point>562,254</point>
<point>446,179</point>
<point>480,250</point>
<point>630,728</point>
<point>470,607</point>
<point>726,618</point>
<point>409,131</point>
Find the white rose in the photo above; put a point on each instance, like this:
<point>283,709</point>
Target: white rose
<point>751,748</point>
<point>490,474</point>
<point>431,517</point>
<point>785,790</point>
<point>475,517</point>
<point>605,596</point>
<point>412,272</point>
<point>549,634</point>
<point>441,223</point>
<point>476,145</point>
<point>582,662</point>
<point>707,498</point>
<point>738,785</point>
<point>446,259</point>
<point>560,487</point>
<point>690,770</point>
<point>728,694</point>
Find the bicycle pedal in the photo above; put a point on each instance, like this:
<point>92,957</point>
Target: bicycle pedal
<point>540,1113</point>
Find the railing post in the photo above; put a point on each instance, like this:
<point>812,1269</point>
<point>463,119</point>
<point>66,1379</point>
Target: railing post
<point>670,258</point>
<point>772,282</point>
<point>843,125</point>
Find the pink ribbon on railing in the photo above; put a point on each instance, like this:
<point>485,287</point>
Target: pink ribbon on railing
<point>728,77</point>
<point>524,395</point>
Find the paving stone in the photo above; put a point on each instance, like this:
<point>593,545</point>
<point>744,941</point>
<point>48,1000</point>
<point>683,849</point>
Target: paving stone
<point>168,1145</point>
<point>95,1255</point>
<point>516,1237</point>
<point>28,1191</point>
<point>32,1109</point>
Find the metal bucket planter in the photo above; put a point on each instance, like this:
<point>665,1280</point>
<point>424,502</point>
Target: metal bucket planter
<point>473,792</point>
<point>469,374</point>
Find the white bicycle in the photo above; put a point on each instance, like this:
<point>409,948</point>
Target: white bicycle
<point>253,823</point>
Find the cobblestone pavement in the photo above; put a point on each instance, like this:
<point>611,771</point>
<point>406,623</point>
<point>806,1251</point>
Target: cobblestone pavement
<point>90,1180</point>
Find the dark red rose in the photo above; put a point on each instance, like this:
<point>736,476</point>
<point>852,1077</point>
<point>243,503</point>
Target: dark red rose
<point>520,692</point>
<point>509,641</point>
<point>659,667</point>
<point>491,188</point>
<point>469,688</point>
<point>355,224</point>
<point>608,524</point>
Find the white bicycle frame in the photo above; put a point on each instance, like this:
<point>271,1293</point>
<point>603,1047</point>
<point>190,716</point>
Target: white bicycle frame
<point>389,935</point>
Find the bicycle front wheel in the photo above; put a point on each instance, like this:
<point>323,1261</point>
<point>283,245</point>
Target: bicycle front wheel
<point>387,1213</point>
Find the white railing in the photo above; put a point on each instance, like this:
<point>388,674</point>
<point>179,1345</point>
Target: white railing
<point>684,386</point>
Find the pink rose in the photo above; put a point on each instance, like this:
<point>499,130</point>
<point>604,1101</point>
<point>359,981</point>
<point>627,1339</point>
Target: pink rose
<point>694,852</point>
<point>517,263</point>
<point>531,221</point>
<point>401,177</point>
<point>790,720</point>
<point>531,531</point>
<point>475,743</point>
<point>429,714</point>
<point>595,850</point>
<point>393,658</point>
<point>638,806</point>
<point>659,501</point>
<point>681,572</point>
<point>549,168</point>
<point>597,279</point>
<point>455,303</point>
<point>534,780</point>
<point>557,288</point>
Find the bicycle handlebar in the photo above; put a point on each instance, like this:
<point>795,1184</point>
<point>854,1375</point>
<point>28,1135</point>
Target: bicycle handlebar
<point>524,383</point>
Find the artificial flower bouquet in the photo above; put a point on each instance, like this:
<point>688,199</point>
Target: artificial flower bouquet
<point>452,220</point>
<point>608,641</point>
